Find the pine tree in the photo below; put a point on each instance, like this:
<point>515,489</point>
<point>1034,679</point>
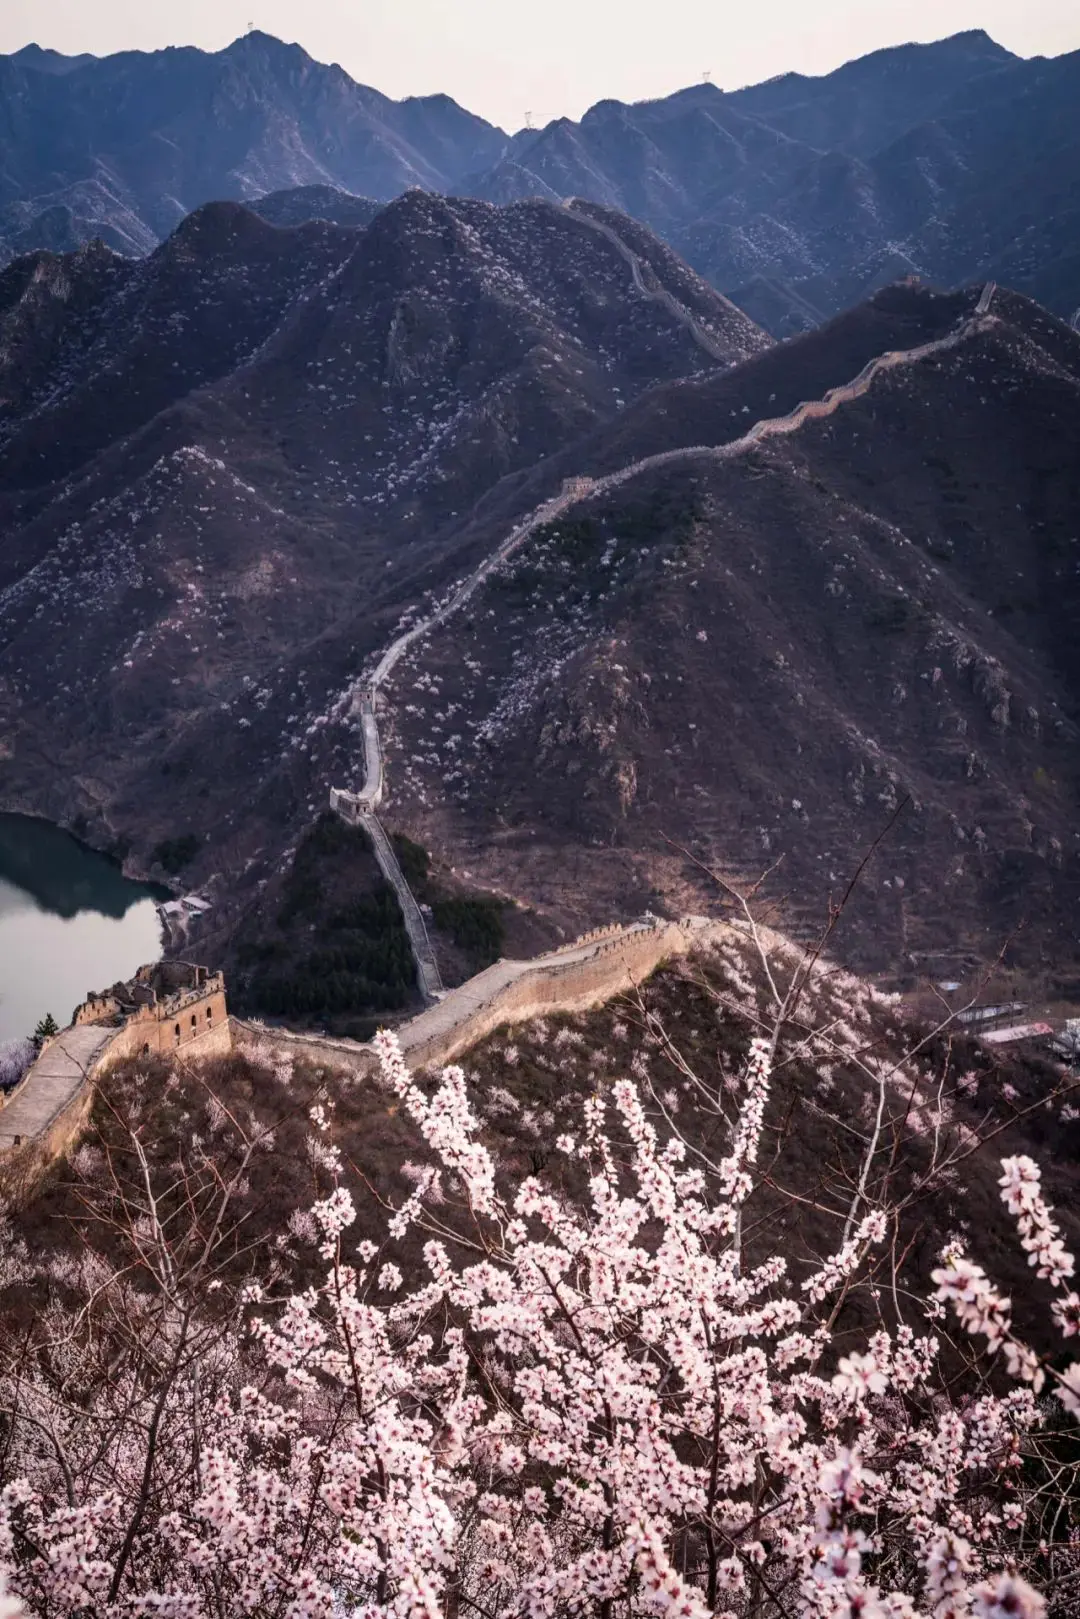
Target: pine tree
<point>45,1029</point>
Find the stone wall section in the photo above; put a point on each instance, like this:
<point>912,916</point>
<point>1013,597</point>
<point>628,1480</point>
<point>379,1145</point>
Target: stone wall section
<point>611,967</point>
<point>205,1031</point>
<point>573,978</point>
<point>49,1110</point>
<point>22,1168</point>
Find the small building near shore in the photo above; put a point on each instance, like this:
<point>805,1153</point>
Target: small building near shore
<point>169,1006</point>
<point>1016,1034</point>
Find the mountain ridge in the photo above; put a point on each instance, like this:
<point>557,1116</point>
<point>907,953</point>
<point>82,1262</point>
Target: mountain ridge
<point>570,785</point>
<point>953,160</point>
<point>258,115</point>
<point>258,441</point>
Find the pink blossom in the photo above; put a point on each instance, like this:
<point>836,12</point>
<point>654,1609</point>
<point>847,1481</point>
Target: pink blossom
<point>859,1375</point>
<point>1007,1596</point>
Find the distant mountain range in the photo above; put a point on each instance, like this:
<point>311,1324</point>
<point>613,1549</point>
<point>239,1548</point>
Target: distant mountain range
<point>124,146</point>
<point>951,161</point>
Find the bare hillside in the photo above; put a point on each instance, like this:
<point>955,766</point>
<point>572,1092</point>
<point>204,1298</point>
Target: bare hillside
<point>766,653</point>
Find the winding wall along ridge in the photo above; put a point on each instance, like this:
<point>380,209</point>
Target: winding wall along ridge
<point>574,977</point>
<point>359,808</point>
<point>658,294</point>
<point>426,966</point>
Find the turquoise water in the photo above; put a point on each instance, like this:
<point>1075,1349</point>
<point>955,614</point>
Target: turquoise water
<point>70,921</point>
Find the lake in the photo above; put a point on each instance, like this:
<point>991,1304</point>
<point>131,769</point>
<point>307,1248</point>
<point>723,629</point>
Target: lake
<point>70,921</point>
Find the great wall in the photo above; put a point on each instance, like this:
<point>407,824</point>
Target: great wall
<point>358,808</point>
<point>658,294</point>
<point>577,975</point>
<point>169,1006</point>
<point>45,1115</point>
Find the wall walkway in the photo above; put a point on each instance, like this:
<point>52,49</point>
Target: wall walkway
<point>570,979</point>
<point>660,295</point>
<point>45,1116</point>
<point>52,1082</point>
<point>427,968</point>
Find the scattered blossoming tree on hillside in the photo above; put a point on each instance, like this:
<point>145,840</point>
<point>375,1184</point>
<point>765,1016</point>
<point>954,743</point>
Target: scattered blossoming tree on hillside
<point>585,1405</point>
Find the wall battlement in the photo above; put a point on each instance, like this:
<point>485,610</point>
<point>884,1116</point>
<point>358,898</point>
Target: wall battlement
<point>607,932</point>
<point>166,1006</point>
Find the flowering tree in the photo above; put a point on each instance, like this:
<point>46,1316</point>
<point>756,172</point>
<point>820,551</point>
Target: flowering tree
<point>589,1403</point>
<point>15,1058</point>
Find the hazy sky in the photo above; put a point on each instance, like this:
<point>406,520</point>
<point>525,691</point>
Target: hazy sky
<point>506,58</point>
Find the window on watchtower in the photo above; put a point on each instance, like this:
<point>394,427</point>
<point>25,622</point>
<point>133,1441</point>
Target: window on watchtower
<point>194,1021</point>
<point>178,1034</point>
<point>209,1014</point>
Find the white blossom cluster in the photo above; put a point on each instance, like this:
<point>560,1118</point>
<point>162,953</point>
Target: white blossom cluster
<point>579,1406</point>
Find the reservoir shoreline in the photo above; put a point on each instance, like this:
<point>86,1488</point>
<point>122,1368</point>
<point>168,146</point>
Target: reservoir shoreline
<point>70,920</point>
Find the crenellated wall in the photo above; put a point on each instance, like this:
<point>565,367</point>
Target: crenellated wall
<point>97,1009</point>
<point>611,965</point>
<point>601,964</point>
<point>166,1006</point>
<point>49,1109</point>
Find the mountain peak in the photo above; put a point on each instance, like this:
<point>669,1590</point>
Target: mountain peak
<point>45,60</point>
<point>259,46</point>
<point>979,36</point>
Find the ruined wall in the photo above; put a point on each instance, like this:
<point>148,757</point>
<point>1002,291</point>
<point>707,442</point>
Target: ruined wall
<point>204,1031</point>
<point>97,1009</point>
<point>162,1030</point>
